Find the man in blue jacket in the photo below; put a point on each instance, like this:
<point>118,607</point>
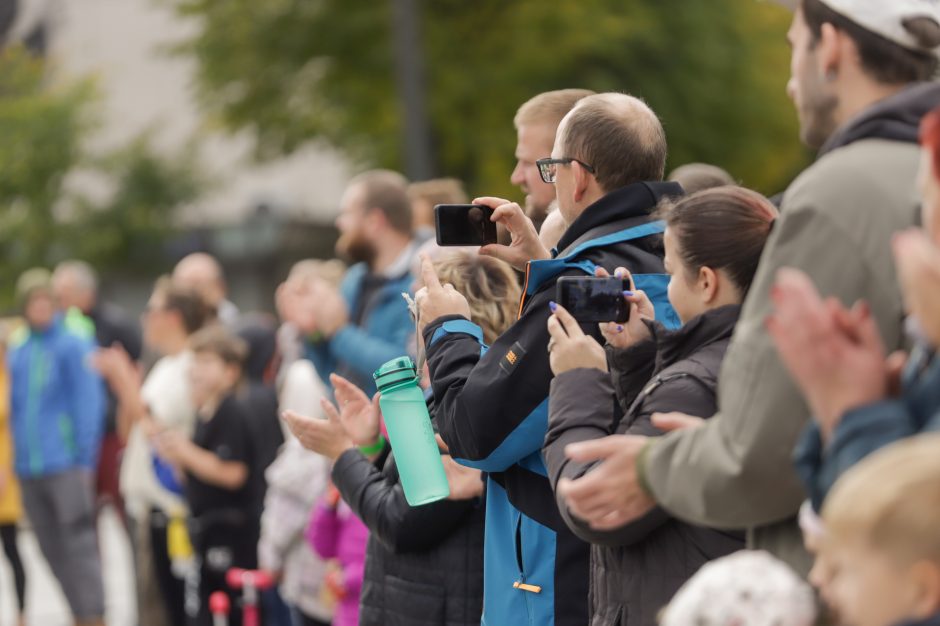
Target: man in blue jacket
<point>57,405</point>
<point>354,330</point>
<point>607,166</point>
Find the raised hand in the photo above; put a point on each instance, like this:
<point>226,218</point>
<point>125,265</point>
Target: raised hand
<point>435,300</point>
<point>323,436</point>
<point>641,308</point>
<point>359,416</point>
<point>569,347</point>
<point>526,245</point>
<point>918,261</point>
<point>835,355</point>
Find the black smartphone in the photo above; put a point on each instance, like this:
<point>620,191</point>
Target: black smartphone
<point>590,299</point>
<point>464,225</point>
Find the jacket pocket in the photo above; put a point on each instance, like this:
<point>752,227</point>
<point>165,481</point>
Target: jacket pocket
<point>409,603</point>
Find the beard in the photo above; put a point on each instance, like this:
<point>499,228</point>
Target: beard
<point>355,248</point>
<point>817,112</point>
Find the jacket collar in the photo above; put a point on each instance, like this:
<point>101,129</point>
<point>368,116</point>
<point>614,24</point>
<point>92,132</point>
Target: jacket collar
<point>637,200</point>
<point>51,330</point>
<point>896,118</point>
<point>709,327</point>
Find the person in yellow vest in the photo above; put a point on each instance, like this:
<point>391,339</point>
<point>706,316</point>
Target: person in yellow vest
<point>11,509</point>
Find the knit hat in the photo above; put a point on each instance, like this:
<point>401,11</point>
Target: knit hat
<point>30,281</point>
<point>744,589</point>
<point>884,17</point>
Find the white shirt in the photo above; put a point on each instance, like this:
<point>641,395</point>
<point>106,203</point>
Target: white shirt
<point>166,393</point>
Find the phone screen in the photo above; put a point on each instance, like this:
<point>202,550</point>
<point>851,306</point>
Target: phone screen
<point>593,299</point>
<point>464,225</point>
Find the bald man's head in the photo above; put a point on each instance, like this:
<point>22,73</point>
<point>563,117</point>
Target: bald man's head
<point>202,273</point>
<point>75,285</point>
<point>617,135</point>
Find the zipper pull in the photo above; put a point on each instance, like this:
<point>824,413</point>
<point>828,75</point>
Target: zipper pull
<point>524,587</point>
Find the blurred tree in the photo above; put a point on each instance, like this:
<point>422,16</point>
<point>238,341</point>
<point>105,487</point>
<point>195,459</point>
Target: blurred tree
<point>295,70</point>
<point>43,219</point>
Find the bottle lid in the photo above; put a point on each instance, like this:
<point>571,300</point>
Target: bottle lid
<point>394,372</point>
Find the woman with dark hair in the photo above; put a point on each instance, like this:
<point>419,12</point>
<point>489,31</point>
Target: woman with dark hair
<point>713,242</point>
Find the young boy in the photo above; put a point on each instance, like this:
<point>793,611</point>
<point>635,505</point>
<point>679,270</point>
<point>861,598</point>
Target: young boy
<point>879,560</point>
<point>216,465</point>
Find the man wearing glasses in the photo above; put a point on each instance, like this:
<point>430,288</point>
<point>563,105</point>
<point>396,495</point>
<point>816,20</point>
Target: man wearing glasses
<point>607,166</point>
<point>536,124</point>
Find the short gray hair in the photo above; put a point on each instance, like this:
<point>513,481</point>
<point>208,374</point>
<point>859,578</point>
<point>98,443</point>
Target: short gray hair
<point>86,278</point>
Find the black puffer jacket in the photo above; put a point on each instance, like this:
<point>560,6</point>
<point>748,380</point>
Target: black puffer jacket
<point>636,569</point>
<point>424,565</point>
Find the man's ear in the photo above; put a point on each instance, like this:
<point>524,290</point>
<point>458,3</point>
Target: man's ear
<point>925,582</point>
<point>582,180</point>
<point>830,51</point>
<point>235,374</point>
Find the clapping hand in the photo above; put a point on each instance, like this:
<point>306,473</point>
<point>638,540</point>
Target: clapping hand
<point>918,261</point>
<point>359,416</point>
<point>836,356</point>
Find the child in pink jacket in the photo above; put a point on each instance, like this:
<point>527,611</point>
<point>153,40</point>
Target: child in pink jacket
<point>336,533</point>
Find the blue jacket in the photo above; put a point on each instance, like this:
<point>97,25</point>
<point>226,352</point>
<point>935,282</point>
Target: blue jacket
<point>57,402</point>
<point>492,411</point>
<point>865,430</point>
<point>355,352</point>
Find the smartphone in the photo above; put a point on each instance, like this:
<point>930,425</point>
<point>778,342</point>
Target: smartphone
<point>464,225</point>
<point>590,299</point>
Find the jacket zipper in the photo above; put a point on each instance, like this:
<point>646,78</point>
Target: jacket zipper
<point>521,583</point>
<point>37,381</point>
<point>525,289</point>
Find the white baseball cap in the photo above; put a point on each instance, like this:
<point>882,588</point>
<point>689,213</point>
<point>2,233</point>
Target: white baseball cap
<point>884,17</point>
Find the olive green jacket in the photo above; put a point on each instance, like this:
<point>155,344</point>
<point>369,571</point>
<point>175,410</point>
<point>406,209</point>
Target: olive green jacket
<point>836,224</point>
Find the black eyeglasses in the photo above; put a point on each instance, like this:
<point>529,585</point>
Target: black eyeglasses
<point>549,167</point>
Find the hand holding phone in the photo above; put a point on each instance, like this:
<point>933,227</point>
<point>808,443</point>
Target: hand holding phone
<point>594,299</point>
<point>464,225</point>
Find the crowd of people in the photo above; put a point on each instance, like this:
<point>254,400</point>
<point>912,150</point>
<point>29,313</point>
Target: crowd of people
<point>759,426</point>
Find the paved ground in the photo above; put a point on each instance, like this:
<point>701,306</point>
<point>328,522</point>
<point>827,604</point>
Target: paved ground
<point>45,604</point>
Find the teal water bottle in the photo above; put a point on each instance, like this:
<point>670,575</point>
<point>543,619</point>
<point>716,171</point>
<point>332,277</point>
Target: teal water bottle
<point>410,433</point>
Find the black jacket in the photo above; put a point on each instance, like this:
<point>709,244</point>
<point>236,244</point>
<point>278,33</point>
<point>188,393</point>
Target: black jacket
<point>113,326</point>
<point>424,565</point>
<point>491,412</point>
<point>636,569</point>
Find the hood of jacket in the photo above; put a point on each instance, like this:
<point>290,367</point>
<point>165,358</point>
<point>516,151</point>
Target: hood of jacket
<point>896,118</point>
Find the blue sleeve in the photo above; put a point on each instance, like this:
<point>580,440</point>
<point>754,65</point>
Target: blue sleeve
<point>366,353</point>
<point>319,354</point>
<point>383,337</point>
<point>859,433</point>
<point>87,400</point>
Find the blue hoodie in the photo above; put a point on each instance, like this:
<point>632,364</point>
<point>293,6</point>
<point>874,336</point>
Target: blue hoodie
<point>57,401</point>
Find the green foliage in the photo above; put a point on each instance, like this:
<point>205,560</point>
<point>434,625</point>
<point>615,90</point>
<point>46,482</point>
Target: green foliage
<point>292,70</point>
<point>43,219</point>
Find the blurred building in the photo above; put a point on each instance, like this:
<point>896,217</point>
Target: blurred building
<point>257,218</point>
